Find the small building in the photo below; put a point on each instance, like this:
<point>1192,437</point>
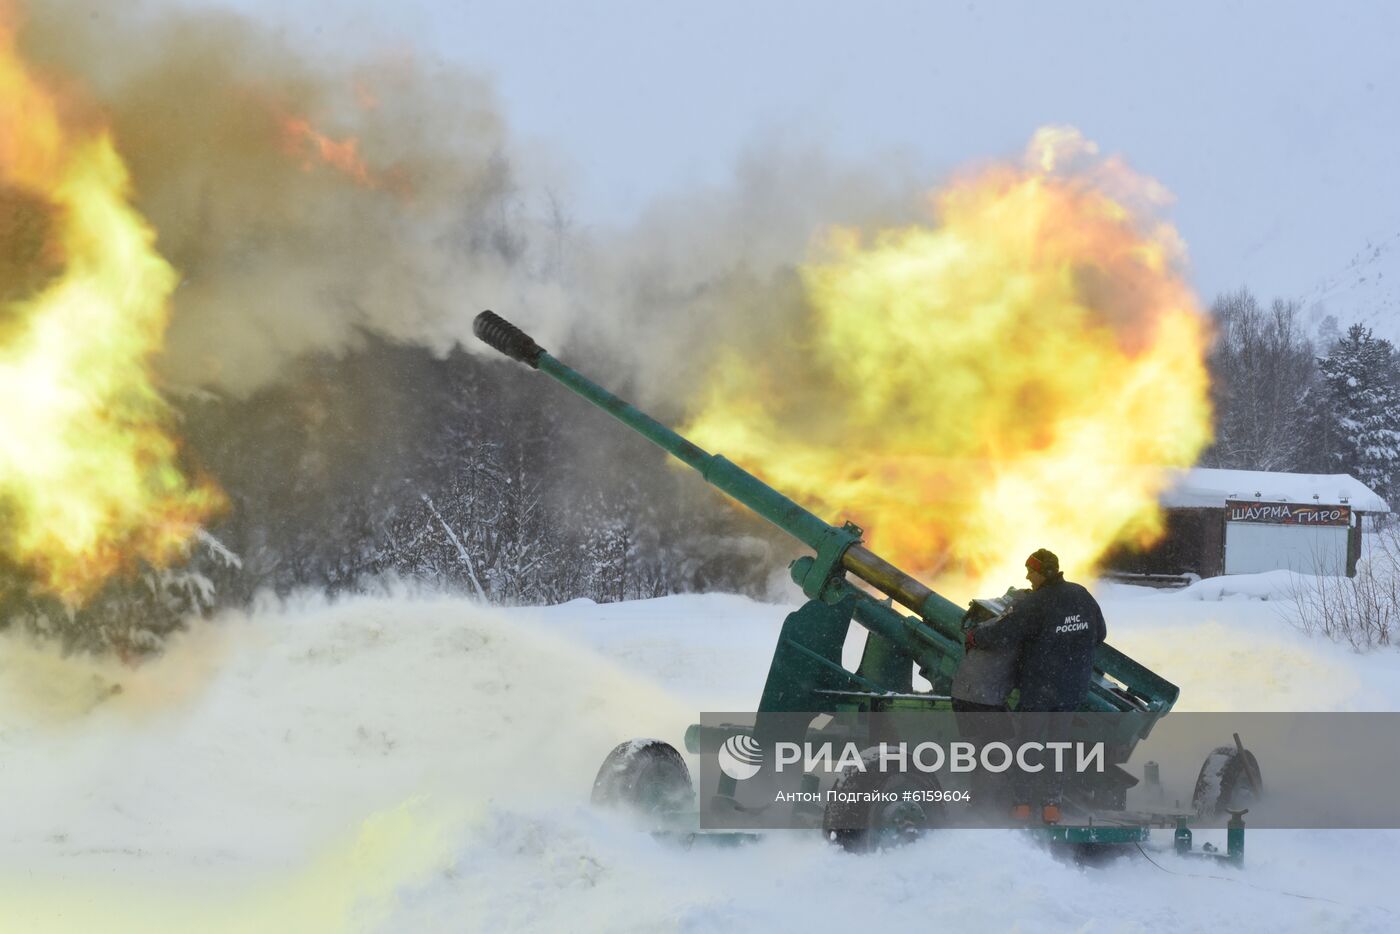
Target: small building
<point>1246,521</point>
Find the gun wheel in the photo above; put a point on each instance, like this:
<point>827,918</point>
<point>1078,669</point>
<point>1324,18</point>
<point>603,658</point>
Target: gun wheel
<point>645,776</point>
<point>1229,780</point>
<point>862,826</point>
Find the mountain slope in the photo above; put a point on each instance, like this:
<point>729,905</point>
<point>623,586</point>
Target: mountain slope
<point>1366,290</point>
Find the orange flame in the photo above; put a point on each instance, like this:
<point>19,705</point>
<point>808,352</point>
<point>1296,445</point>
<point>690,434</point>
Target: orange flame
<point>306,142</point>
<point>90,480</point>
<point>1014,376</point>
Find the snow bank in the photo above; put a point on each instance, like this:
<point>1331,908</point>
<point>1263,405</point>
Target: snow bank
<point>1230,643</point>
<point>1268,585</point>
<point>322,726</point>
<point>424,764</point>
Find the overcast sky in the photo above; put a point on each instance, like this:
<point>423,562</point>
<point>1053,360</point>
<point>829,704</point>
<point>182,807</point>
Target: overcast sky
<point>1276,125</point>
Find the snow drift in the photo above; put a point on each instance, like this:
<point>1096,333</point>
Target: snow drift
<point>423,763</point>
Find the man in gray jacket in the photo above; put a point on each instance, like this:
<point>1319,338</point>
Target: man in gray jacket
<point>980,686</point>
<point>985,676</point>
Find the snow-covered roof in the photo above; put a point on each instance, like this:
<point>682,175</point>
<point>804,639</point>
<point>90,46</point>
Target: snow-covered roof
<point>1210,486</point>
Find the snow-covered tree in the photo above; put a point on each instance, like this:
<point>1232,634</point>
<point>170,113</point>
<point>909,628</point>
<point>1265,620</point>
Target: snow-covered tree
<point>1357,420</point>
<point>1262,373</point>
<point>133,614</point>
<point>461,473</point>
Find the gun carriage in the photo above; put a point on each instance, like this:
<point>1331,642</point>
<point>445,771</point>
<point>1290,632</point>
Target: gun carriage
<point>911,628</point>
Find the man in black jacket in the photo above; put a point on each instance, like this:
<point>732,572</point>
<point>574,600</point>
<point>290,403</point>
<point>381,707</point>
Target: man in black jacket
<point>1055,629</point>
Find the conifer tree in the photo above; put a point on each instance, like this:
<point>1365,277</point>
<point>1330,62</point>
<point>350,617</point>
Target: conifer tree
<point>1359,413</point>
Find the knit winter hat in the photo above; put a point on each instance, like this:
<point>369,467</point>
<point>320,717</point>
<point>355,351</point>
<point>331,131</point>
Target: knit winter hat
<point>1043,561</point>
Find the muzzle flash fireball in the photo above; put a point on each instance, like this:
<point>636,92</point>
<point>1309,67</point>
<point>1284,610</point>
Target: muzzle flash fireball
<point>91,481</point>
<point>1016,370</point>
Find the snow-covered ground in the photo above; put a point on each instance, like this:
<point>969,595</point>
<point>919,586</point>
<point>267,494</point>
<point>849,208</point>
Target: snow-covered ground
<point>422,763</point>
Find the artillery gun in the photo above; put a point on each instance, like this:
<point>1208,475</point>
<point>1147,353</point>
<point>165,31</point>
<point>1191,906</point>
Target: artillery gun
<point>807,675</point>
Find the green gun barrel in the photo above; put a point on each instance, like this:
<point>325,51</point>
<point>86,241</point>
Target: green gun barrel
<point>722,473</point>
<point>933,638</point>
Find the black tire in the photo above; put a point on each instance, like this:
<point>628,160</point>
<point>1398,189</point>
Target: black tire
<point>863,826</point>
<point>646,777</point>
<point>1228,780</point>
